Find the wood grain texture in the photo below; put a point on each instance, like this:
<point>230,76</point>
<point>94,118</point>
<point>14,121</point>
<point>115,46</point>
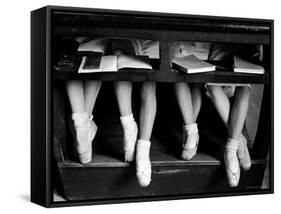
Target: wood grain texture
<point>167,76</point>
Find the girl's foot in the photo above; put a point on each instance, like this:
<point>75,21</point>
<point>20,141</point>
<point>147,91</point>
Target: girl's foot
<point>190,141</point>
<point>85,132</point>
<point>243,154</point>
<point>130,136</point>
<point>231,162</point>
<point>143,165</point>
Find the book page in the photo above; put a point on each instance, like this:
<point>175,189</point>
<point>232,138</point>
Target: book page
<point>127,61</point>
<point>191,64</point>
<point>244,66</point>
<point>107,64</point>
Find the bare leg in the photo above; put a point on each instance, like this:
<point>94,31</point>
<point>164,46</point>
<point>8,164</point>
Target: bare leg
<point>221,102</point>
<point>147,116</point>
<point>91,92</point>
<point>123,91</point>
<point>85,131</point>
<point>239,112</point>
<point>190,130</point>
<point>148,109</point>
<point>183,95</point>
<point>196,93</point>
<point>75,91</point>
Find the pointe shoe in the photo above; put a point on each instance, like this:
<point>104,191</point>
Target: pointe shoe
<point>130,137</point>
<point>231,162</point>
<point>85,132</point>
<point>243,154</point>
<point>190,141</point>
<point>143,165</point>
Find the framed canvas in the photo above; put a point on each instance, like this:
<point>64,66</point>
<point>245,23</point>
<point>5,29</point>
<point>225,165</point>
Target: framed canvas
<point>138,106</point>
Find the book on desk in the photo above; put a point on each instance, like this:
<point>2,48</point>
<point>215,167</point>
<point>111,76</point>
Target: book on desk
<point>243,66</point>
<point>191,64</point>
<point>112,63</point>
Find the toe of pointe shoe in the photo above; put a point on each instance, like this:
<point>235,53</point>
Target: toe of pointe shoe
<point>245,162</point>
<point>233,182</point>
<point>188,155</point>
<point>85,157</point>
<point>243,154</point>
<point>246,167</point>
<point>143,180</point>
<point>233,178</point>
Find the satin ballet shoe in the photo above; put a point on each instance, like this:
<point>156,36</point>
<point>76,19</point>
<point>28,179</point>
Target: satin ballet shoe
<point>231,162</point>
<point>190,141</point>
<point>130,129</point>
<point>143,165</point>
<point>85,132</point>
<point>243,154</point>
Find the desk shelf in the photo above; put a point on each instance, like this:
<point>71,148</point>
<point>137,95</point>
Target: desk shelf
<point>173,76</point>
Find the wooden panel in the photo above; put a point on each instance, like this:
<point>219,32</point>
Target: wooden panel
<point>161,34</point>
<point>165,57</point>
<point>89,183</point>
<point>159,20</point>
<point>142,76</point>
<point>39,152</point>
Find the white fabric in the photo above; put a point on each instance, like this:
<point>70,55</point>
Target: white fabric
<point>191,128</point>
<point>145,47</point>
<point>232,144</point>
<point>127,119</point>
<point>80,118</point>
<point>130,129</point>
<point>185,48</point>
<point>143,165</point>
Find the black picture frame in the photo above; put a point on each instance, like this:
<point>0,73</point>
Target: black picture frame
<point>205,28</point>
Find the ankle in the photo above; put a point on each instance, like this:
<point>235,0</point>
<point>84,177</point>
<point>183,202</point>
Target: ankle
<point>143,145</point>
<point>127,120</point>
<point>80,119</point>
<point>232,144</point>
<point>190,128</point>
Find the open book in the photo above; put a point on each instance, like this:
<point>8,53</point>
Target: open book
<point>111,63</point>
<point>191,64</point>
<point>243,66</point>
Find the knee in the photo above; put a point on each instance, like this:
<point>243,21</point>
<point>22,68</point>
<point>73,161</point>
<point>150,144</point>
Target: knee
<point>148,91</point>
<point>214,90</point>
<point>182,87</point>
